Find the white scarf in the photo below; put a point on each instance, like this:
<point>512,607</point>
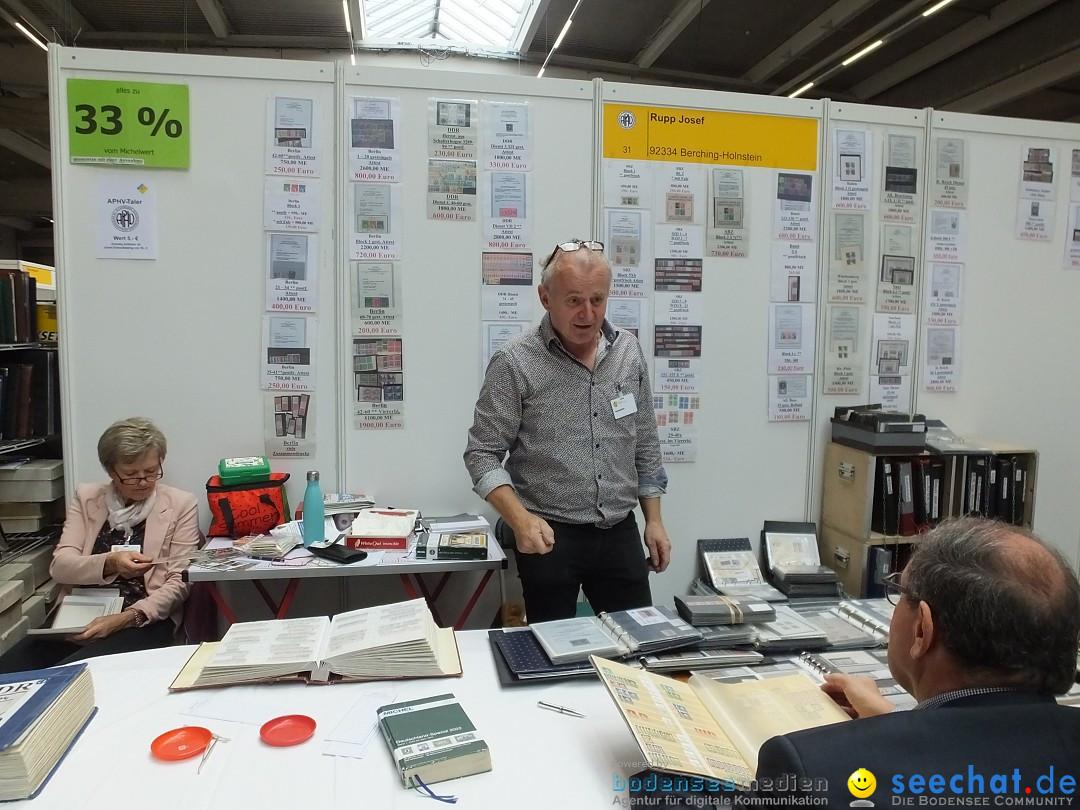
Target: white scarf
<point>124,517</point>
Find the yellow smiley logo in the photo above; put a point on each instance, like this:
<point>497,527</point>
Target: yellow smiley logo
<point>861,783</point>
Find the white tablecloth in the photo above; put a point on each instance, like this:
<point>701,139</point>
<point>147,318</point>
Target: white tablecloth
<point>540,759</point>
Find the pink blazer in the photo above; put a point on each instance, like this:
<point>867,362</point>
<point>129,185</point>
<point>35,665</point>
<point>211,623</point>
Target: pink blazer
<point>171,529</point>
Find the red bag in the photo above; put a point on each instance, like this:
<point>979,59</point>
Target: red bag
<point>237,510</point>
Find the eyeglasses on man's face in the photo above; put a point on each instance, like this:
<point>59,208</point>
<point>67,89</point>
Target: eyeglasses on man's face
<point>138,479</point>
<point>893,589</point>
<point>572,245</point>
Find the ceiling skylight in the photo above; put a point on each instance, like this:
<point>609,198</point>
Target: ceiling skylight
<point>487,25</point>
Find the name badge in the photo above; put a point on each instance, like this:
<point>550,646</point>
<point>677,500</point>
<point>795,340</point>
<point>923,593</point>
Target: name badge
<point>623,406</point>
<point>132,547</point>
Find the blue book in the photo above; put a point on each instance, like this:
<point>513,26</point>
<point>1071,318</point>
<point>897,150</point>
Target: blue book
<point>42,713</point>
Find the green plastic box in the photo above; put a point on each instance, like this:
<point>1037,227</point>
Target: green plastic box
<point>244,470</point>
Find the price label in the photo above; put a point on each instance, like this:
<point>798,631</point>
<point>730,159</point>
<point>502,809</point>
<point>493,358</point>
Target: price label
<point>128,123</point>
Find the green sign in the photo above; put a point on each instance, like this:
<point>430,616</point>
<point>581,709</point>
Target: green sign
<point>129,123</point>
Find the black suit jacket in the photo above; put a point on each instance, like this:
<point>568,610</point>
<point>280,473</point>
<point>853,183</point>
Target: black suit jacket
<point>992,734</point>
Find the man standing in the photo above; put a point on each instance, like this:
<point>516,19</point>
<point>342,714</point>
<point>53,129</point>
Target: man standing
<point>984,634</point>
<point>570,402</point>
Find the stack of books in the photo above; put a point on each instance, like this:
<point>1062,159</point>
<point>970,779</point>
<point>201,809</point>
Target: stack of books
<point>791,551</point>
<point>877,430</point>
<point>42,712</point>
<point>787,632</point>
<point>709,610</point>
<point>639,631</point>
<point>733,570</point>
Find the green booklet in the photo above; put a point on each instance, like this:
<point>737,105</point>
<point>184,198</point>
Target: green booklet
<point>432,740</point>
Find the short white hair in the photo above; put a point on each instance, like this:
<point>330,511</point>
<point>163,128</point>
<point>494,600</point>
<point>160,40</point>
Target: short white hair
<point>549,263</point>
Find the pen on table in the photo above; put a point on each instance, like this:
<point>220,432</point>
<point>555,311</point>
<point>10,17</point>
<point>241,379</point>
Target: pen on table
<point>560,709</point>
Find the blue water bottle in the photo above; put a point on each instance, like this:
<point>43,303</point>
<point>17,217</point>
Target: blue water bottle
<point>314,511</point>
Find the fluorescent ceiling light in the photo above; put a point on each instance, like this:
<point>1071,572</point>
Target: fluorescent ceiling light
<point>565,28</point>
<point>352,58</point>
<point>541,73</point>
<point>26,33</point>
<point>856,56</point>
<point>801,90</point>
<point>936,7</point>
<point>348,21</point>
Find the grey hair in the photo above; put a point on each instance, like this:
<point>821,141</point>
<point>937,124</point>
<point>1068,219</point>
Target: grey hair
<point>549,263</point>
<point>128,440</point>
<point>1009,614</point>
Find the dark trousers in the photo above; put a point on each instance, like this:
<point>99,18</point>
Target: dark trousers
<point>609,565</point>
<point>36,652</point>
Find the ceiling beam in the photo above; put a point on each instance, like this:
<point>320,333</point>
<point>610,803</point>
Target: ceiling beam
<point>137,39</point>
<point>971,33</point>
<point>810,35</point>
<point>650,75</point>
<point>26,114</point>
<point>25,147</point>
<point>1055,70</point>
<point>526,32</point>
<point>16,9</point>
<point>64,10</point>
<point>18,223</point>
<point>358,16</point>
<point>215,17</point>
<point>26,198</point>
<point>906,12</point>
<point>669,31</point>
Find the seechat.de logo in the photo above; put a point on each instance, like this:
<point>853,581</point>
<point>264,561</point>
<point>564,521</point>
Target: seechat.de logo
<point>862,784</point>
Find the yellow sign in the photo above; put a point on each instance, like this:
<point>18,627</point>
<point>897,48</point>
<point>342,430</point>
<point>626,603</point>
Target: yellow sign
<point>41,273</point>
<point>703,136</point>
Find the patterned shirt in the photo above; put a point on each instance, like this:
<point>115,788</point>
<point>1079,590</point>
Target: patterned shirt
<point>132,589</point>
<point>570,459</point>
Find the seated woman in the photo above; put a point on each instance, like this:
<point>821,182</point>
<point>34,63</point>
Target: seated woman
<point>112,535</point>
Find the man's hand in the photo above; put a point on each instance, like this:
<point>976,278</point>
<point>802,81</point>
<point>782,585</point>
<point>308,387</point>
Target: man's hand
<point>857,695</point>
<point>127,564</point>
<point>533,535</point>
<point>659,545</point>
<point>104,626</point>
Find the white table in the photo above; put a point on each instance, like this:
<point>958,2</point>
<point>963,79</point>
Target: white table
<point>540,759</point>
<point>301,564</point>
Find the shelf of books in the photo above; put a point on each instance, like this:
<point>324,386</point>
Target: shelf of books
<point>876,505</point>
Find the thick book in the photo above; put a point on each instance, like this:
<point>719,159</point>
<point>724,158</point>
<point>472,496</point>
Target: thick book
<point>432,740</point>
<point>42,712</point>
<point>639,631</point>
<point>78,608</point>
<point>386,641</point>
<point>709,729</point>
<point>375,529</point>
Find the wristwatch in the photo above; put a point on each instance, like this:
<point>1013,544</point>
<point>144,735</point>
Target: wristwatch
<point>140,617</point>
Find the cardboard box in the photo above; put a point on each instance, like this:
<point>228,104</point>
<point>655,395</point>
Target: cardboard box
<point>32,509</point>
<point>19,572</point>
<point>14,635</point>
<point>36,480</point>
<point>11,593</point>
<point>35,609</point>
<point>39,559</point>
